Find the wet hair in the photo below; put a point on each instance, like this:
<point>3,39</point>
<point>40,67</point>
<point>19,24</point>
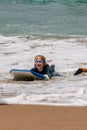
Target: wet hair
<point>42,58</point>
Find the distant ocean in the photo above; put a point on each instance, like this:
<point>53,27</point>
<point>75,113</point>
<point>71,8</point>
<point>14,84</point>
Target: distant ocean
<point>55,17</point>
<point>56,29</point>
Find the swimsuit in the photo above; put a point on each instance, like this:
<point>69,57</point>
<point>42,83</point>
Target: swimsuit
<point>49,70</point>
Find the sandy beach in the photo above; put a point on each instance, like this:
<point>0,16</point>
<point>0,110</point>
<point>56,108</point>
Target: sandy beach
<point>37,117</point>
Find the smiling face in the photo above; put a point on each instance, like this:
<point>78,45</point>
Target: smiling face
<point>39,63</point>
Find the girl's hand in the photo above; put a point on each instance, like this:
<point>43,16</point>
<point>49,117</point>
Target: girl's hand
<point>47,77</point>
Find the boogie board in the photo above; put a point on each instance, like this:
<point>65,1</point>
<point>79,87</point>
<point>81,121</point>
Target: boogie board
<point>26,75</point>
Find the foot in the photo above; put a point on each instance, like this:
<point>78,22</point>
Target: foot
<point>79,71</point>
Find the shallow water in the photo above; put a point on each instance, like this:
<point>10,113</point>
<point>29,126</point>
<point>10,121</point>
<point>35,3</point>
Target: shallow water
<point>68,54</point>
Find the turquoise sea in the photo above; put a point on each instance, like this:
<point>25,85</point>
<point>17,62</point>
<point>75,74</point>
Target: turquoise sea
<point>56,29</point>
<point>55,17</point>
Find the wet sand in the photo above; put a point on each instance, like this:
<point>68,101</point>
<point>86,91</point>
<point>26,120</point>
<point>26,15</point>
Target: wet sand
<point>37,117</point>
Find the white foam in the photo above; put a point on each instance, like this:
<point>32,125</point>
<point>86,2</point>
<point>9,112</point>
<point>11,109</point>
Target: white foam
<point>13,100</point>
<point>19,52</point>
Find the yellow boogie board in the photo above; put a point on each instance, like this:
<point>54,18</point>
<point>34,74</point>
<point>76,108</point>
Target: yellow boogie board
<point>26,75</point>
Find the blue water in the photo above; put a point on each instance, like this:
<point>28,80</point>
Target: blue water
<point>55,17</point>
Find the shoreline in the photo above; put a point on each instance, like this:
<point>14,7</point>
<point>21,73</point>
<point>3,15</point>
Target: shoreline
<point>40,117</point>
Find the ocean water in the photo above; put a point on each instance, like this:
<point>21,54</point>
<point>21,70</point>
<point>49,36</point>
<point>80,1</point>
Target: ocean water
<point>54,28</point>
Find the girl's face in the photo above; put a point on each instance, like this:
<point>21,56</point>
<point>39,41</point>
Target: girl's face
<point>39,63</point>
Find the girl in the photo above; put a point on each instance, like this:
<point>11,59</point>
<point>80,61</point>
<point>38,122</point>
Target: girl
<point>41,66</point>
